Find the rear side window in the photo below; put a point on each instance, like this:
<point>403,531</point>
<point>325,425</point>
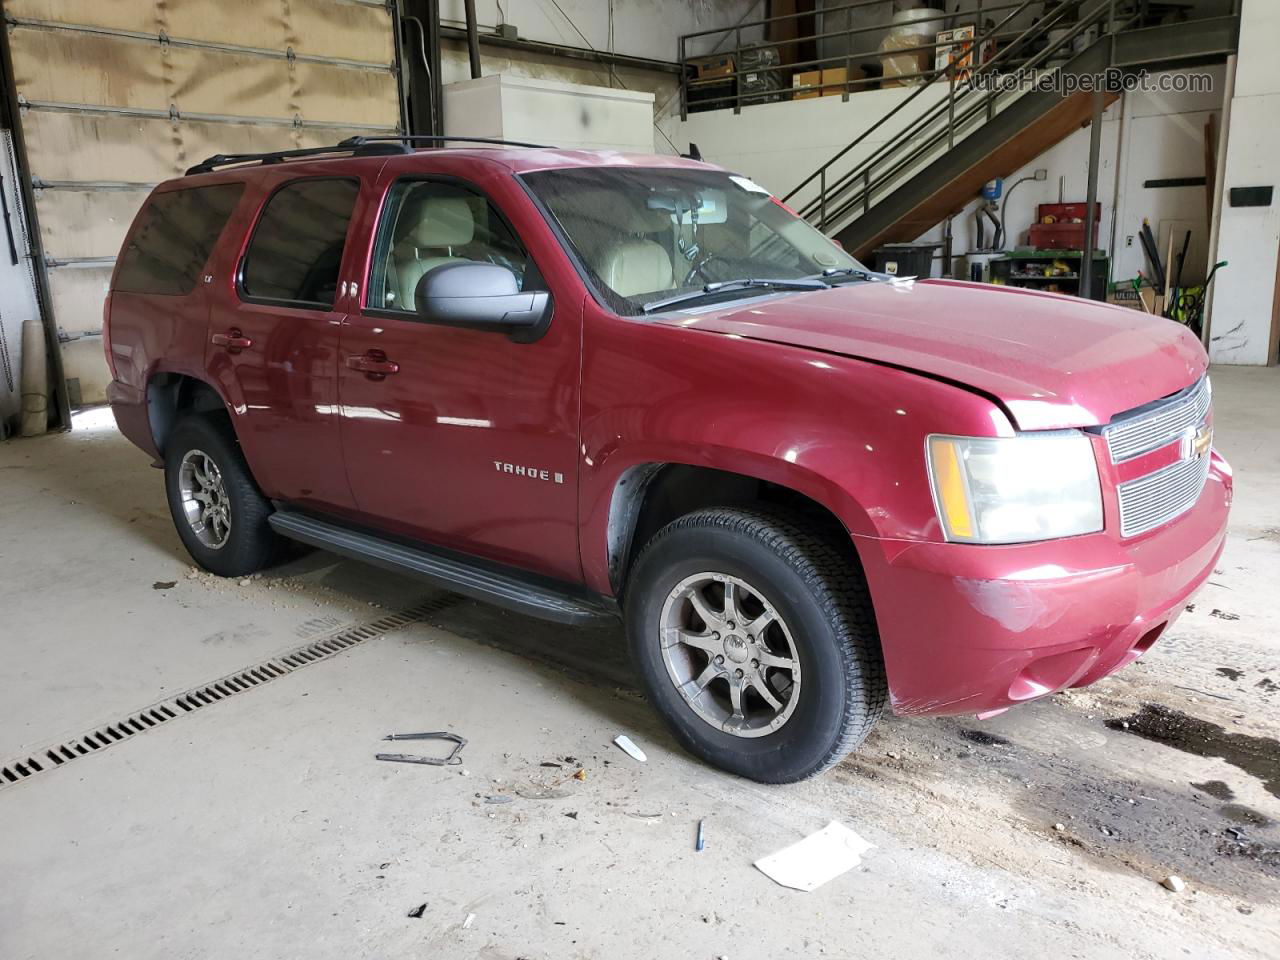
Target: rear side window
<point>296,249</point>
<point>176,233</point>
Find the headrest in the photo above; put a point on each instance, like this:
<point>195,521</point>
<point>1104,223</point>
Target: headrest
<point>442,222</point>
<point>632,267</point>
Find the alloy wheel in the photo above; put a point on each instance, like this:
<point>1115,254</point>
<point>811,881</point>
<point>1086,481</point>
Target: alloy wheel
<point>730,654</point>
<point>204,499</point>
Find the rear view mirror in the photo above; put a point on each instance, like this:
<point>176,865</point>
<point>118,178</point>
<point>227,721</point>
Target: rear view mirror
<point>482,296</point>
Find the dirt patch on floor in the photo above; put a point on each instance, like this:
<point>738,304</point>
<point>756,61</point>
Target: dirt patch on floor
<point>1257,756</point>
<point>994,799</point>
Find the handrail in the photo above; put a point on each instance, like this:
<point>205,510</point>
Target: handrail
<point>910,139</point>
<point>977,45</point>
<point>788,16</point>
<point>736,31</point>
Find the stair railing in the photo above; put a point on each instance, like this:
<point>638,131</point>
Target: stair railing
<point>965,104</point>
<point>821,173</point>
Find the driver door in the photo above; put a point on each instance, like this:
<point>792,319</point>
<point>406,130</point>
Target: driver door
<point>460,438</point>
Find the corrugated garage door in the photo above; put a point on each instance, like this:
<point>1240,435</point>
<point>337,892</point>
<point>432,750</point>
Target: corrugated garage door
<point>117,95</point>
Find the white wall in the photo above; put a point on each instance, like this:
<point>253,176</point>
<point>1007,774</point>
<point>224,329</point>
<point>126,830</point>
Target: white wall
<point>1150,137</point>
<point>1245,298</point>
<point>642,28</point>
<point>779,144</point>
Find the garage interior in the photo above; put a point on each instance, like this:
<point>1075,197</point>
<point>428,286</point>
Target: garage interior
<point>220,794</point>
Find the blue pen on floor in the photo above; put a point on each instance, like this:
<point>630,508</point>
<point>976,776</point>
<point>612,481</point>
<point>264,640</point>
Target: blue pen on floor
<point>701,839</point>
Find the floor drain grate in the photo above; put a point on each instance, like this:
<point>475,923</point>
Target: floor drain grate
<point>194,699</point>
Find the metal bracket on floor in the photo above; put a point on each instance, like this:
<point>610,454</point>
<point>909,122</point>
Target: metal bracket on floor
<point>452,759</point>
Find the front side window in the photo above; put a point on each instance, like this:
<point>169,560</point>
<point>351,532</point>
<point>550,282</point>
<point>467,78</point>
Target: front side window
<point>648,235</point>
<point>430,223</point>
<point>296,250</point>
<point>176,233</point>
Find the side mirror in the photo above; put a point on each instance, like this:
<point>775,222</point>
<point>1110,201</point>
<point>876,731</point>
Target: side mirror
<point>481,296</point>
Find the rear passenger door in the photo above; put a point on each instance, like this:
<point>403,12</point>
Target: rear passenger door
<point>273,342</point>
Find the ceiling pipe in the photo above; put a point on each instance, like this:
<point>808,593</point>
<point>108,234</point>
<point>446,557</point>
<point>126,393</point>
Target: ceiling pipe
<point>473,39</point>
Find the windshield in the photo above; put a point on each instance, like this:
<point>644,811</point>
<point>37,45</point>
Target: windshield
<point>649,235</point>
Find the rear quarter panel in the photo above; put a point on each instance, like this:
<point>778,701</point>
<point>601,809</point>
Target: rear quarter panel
<point>150,334</point>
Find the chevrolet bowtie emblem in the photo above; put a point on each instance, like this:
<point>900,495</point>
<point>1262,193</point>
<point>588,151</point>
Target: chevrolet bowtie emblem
<point>1197,442</point>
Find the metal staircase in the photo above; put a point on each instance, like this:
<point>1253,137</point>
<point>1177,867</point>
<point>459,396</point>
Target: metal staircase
<point>962,131</point>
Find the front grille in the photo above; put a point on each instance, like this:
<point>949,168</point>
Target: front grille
<point>1152,427</point>
<point>1157,498</point>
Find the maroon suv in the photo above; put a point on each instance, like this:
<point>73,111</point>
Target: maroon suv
<point>586,384</point>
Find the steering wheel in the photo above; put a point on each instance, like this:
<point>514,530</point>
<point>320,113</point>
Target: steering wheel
<point>700,269</point>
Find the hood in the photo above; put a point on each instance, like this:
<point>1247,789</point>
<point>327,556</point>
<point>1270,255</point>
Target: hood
<point>1051,361</point>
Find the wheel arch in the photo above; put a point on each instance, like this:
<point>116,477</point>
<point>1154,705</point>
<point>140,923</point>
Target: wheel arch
<point>170,395</point>
<point>646,496</point>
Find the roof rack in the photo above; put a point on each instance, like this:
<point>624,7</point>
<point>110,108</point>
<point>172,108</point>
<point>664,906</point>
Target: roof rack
<point>355,146</point>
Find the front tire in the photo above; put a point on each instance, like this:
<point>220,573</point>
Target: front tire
<point>217,508</point>
<point>755,639</point>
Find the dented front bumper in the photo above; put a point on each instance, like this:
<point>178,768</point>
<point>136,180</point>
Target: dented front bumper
<point>975,629</point>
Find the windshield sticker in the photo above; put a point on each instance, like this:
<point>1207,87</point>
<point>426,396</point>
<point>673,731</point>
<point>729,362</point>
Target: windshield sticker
<point>749,185</point>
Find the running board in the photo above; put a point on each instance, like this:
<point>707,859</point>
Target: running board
<point>535,599</point>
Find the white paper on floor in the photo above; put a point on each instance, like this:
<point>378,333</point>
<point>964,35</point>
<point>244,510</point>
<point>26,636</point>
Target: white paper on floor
<point>819,857</point>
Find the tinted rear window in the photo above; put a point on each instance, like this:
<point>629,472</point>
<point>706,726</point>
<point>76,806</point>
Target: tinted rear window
<point>297,246</point>
<point>176,233</point>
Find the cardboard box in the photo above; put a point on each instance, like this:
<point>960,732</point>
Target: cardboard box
<point>1145,299</point>
<point>707,68</point>
<point>959,50</point>
<point>806,84</point>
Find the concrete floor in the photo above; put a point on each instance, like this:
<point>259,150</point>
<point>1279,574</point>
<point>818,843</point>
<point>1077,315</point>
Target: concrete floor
<point>262,826</point>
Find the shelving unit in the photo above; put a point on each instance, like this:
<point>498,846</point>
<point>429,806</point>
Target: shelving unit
<point>1026,268</point>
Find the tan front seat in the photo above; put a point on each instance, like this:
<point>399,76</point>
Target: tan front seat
<point>443,224</point>
<point>634,266</point>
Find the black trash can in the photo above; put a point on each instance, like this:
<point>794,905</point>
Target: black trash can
<point>905,259</point>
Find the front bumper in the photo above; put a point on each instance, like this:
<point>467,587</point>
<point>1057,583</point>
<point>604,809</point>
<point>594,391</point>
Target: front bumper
<point>974,629</point>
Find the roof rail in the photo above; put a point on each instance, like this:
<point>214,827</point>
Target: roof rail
<point>355,146</point>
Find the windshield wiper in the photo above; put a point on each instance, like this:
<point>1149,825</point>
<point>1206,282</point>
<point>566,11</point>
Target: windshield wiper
<point>724,286</point>
<point>839,274</point>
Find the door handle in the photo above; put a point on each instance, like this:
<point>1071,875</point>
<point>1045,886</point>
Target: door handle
<point>373,364</point>
<point>233,340</point>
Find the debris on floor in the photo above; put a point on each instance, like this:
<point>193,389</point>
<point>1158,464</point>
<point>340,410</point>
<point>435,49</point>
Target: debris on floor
<point>466,924</point>
<point>452,759</point>
<point>164,584</point>
<point>701,840</point>
<point>417,912</point>
<point>1173,883</point>
<point>819,857</point>
<point>552,794</point>
<point>629,748</point>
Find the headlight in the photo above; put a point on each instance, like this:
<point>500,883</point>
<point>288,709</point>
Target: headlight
<point>1035,486</point>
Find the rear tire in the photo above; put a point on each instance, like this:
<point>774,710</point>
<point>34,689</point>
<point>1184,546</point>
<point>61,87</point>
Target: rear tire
<point>218,510</point>
<point>765,601</point>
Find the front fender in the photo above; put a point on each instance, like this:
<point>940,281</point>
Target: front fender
<point>846,433</point>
